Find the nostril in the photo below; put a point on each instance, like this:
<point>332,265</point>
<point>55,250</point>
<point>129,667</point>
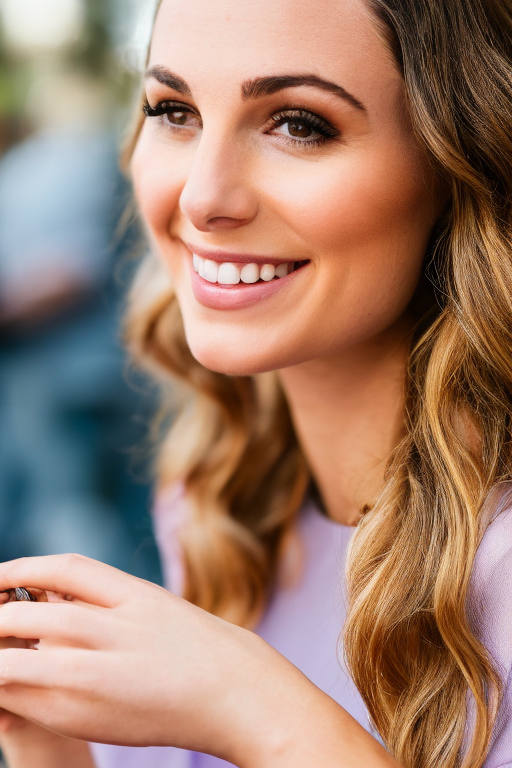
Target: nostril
<point>225,222</point>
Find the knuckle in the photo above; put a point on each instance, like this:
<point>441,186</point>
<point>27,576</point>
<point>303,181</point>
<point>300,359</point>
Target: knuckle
<point>71,560</point>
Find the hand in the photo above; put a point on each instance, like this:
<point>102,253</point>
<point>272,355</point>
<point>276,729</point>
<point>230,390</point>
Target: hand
<point>13,726</point>
<point>25,744</point>
<point>127,662</point>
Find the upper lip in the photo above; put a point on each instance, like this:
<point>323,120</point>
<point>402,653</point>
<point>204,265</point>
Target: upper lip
<point>242,258</point>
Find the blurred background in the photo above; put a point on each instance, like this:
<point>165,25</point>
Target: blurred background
<point>72,420</point>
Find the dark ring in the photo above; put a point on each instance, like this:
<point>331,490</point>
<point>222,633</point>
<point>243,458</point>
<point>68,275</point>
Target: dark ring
<point>20,594</point>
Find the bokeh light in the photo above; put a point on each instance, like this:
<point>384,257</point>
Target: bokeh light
<point>43,25</point>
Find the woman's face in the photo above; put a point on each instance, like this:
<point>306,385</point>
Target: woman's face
<point>277,140</point>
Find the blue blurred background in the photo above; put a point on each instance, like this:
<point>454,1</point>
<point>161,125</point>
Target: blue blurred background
<point>73,470</point>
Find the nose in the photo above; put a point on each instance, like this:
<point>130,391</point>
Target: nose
<point>218,193</point>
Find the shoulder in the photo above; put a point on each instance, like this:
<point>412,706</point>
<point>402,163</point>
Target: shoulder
<point>490,604</point>
<point>494,555</point>
<point>490,612</point>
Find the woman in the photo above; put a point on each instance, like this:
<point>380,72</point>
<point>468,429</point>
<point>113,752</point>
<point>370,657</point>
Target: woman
<point>327,191</point>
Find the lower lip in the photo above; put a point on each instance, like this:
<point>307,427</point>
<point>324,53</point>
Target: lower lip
<point>215,296</point>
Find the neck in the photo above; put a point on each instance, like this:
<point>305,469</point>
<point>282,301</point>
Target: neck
<point>348,417</point>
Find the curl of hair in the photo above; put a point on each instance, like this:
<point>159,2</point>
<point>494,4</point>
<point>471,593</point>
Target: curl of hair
<point>407,639</point>
<point>408,642</point>
<point>234,449</point>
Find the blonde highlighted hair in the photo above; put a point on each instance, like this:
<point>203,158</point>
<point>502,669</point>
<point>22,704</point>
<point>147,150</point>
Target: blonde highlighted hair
<point>407,639</point>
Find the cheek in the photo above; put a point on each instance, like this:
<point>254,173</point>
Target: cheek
<point>157,186</point>
<point>357,206</point>
<point>365,221</point>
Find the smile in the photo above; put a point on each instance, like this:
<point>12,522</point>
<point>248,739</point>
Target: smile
<point>240,281</point>
<point>229,273</point>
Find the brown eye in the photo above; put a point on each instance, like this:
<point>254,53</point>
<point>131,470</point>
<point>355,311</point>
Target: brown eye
<point>302,128</point>
<point>173,115</point>
<point>299,130</point>
<point>181,118</point>
<point>177,118</point>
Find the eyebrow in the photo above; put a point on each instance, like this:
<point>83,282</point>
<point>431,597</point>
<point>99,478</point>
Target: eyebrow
<point>266,86</point>
<point>261,86</point>
<point>168,78</point>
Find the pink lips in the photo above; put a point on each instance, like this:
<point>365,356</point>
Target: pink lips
<point>235,296</point>
<point>215,296</point>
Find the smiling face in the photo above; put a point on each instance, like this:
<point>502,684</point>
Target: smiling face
<point>276,148</point>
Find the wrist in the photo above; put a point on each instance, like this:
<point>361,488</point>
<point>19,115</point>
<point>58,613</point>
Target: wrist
<point>287,722</point>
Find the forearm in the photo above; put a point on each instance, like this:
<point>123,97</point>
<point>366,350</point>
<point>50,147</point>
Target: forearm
<point>50,751</point>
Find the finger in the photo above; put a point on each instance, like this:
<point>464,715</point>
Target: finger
<point>65,669</point>
<point>9,721</point>
<point>56,693</point>
<point>24,689</point>
<point>16,713</point>
<point>74,575</point>
<point>51,622</point>
<point>49,709</point>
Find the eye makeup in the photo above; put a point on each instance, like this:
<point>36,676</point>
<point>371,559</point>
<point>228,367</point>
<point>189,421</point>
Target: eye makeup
<point>305,128</point>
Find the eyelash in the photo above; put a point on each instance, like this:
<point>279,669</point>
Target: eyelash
<point>326,131</point>
<point>165,108</point>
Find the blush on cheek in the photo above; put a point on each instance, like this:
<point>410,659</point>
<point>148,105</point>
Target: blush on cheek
<point>379,205</point>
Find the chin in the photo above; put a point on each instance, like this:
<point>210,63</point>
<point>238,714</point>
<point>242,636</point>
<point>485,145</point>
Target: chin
<point>230,360</point>
<point>230,364</point>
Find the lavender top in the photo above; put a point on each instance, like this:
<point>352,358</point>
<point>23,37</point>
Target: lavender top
<point>304,618</point>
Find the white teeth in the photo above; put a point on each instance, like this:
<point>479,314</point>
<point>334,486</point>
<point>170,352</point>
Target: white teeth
<point>210,271</point>
<point>250,273</point>
<point>268,272</point>
<point>228,273</point>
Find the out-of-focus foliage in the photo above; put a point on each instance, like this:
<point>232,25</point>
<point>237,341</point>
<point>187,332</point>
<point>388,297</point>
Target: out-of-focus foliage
<point>14,83</point>
<point>70,422</point>
<point>95,55</point>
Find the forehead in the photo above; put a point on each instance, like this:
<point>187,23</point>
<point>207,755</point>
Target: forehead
<point>226,41</point>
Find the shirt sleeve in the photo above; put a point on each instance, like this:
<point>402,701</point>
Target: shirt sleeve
<point>490,614</point>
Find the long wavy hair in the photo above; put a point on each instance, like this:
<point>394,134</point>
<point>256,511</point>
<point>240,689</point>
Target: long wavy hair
<point>407,638</point>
